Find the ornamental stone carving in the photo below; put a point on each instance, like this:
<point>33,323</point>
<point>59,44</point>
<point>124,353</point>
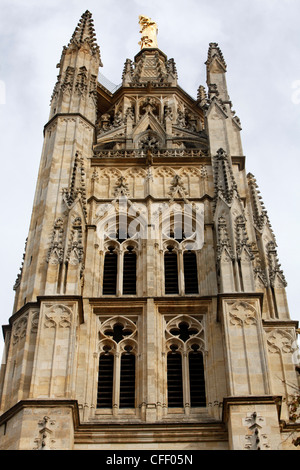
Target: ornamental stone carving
<point>19,330</point>
<point>280,341</point>
<point>45,440</point>
<point>242,314</point>
<point>58,316</point>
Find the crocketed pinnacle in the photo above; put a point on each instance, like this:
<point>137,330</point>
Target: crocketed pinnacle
<point>215,52</point>
<point>85,33</point>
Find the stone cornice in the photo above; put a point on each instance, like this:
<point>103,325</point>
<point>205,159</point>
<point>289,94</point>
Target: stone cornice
<point>243,296</point>
<point>206,430</point>
<point>41,403</point>
<point>250,400</point>
<point>67,115</point>
<point>51,298</point>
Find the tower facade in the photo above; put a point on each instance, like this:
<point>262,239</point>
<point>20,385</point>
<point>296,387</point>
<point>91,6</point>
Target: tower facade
<point>150,310</point>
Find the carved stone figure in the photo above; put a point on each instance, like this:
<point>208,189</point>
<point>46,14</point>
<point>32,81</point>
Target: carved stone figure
<point>149,32</point>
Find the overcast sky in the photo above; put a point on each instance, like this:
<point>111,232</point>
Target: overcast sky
<point>260,41</point>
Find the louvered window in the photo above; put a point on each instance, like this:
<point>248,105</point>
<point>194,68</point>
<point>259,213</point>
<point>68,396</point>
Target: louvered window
<point>129,272</point>
<point>110,273</point>
<point>197,382</point>
<point>171,272</point>
<point>190,272</point>
<point>117,364</point>
<point>127,381</point>
<point>174,375</point>
<point>105,381</point>
<point>185,363</point>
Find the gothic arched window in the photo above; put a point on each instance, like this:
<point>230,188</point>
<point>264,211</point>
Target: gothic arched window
<point>190,272</point>
<point>110,272</point>
<point>120,259</point>
<point>196,375</point>
<point>105,381</point>
<point>180,255</point>
<point>127,379</point>
<point>171,271</point>
<point>185,364</point>
<point>129,271</point>
<point>117,364</point>
<point>174,378</point>
<point>175,263</point>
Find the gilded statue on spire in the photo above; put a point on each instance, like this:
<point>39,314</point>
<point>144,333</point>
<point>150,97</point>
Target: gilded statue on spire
<point>149,32</point>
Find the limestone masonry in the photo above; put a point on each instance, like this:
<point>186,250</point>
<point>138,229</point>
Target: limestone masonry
<point>150,310</point>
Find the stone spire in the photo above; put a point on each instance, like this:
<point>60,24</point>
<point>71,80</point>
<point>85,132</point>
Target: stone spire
<point>221,118</point>
<point>76,88</point>
<point>215,55</point>
<point>85,34</point>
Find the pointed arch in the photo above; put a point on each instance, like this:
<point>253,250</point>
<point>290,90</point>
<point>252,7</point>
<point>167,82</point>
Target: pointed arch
<point>149,126</point>
<point>117,364</point>
<point>185,347</point>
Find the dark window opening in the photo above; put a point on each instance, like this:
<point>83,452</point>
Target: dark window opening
<point>118,332</point>
<point>171,272</point>
<point>129,272</point>
<point>190,273</point>
<point>110,273</point>
<point>105,381</point>
<point>127,381</point>
<point>174,377</point>
<point>197,381</point>
<point>184,331</point>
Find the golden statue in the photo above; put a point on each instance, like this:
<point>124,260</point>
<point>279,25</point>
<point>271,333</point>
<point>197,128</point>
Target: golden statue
<point>149,32</point>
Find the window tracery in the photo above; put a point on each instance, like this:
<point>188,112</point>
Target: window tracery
<point>121,249</point>
<point>185,348</point>
<point>180,254</point>
<point>117,364</point>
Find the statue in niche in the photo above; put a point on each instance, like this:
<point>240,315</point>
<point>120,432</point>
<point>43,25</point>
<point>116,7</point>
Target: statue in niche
<point>149,32</point>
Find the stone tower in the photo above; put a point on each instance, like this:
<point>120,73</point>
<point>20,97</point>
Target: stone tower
<point>150,310</point>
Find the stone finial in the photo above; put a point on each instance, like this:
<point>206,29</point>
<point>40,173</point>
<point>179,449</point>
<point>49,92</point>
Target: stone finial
<point>214,52</point>
<point>85,33</point>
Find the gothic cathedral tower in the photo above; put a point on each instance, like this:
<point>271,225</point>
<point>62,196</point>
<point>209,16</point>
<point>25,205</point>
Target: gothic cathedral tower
<point>150,311</point>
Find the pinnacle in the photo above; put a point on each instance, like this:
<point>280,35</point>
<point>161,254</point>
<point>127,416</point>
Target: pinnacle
<point>85,32</point>
<point>215,52</point>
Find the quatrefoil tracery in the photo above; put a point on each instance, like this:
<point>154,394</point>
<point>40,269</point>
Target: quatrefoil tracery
<point>185,333</point>
<point>118,334</point>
